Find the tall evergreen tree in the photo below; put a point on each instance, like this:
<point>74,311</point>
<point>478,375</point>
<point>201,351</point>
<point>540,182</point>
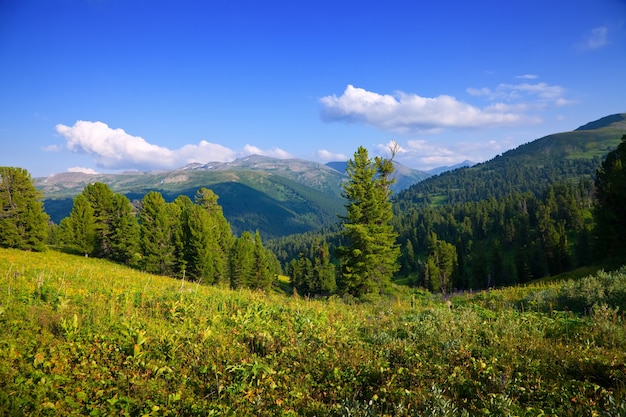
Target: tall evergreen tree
<point>220,232</point>
<point>610,210</point>
<point>157,235</point>
<point>369,259</point>
<point>203,254</point>
<point>78,229</point>
<point>262,273</point>
<point>23,222</point>
<point>241,261</point>
<point>124,234</point>
<point>101,198</point>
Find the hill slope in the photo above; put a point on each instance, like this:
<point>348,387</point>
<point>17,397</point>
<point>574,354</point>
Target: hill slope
<point>83,336</point>
<point>275,196</point>
<point>529,167</point>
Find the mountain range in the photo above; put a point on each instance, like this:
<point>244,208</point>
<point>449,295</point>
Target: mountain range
<point>285,196</point>
<point>275,196</point>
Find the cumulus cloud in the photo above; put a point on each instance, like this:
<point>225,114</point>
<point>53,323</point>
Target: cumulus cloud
<point>403,112</point>
<point>82,170</point>
<point>326,155</point>
<point>596,39</point>
<point>116,149</point>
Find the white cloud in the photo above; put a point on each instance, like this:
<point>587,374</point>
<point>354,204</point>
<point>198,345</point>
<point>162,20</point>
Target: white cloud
<point>385,149</point>
<point>274,153</point>
<point>404,112</point>
<point>52,148</point>
<point>326,155</point>
<point>527,76</point>
<point>596,39</point>
<point>524,91</point>
<point>83,170</point>
<point>429,154</point>
<point>116,149</point>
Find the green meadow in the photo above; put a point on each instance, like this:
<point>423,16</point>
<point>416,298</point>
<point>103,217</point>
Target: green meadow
<point>82,336</point>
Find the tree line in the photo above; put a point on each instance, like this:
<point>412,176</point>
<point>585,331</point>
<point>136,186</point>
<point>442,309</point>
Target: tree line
<point>497,227</point>
<point>183,239</point>
<point>494,241</point>
<point>193,240</point>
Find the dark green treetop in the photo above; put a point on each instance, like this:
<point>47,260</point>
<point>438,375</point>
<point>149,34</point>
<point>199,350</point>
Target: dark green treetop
<point>610,210</point>
<point>23,222</point>
<point>369,259</point>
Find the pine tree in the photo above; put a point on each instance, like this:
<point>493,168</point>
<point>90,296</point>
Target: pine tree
<point>78,229</point>
<point>610,210</point>
<point>202,252</point>
<point>241,261</point>
<point>124,234</point>
<point>101,197</point>
<point>158,223</point>
<point>441,264</point>
<point>220,232</point>
<point>370,259</point>
<point>23,222</point>
<point>262,274</point>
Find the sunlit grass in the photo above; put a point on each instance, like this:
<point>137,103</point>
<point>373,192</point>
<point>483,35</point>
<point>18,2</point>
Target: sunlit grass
<point>88,337</point>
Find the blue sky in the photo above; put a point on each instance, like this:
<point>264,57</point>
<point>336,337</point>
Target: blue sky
<point>110,85</point>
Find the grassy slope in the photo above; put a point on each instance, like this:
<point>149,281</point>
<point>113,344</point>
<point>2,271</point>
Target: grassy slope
<point>84,336</point>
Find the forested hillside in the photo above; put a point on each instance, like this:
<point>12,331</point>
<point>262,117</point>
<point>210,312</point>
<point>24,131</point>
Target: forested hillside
<point>525,214</point>
<point>531,167</point>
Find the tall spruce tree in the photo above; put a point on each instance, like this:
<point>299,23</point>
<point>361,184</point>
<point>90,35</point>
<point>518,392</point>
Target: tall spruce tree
<point>241,261</point>
<point>369,259</point>
<point>157,226</point>
<point>23,222</point>
<point>100,196</point>
<point>78,230</point>
<point>200,246</point>
<point>610,210</point>
<point>124,234</point>
<point>220,232</point>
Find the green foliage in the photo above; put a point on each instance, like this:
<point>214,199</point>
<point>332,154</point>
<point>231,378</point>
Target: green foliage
<point>23,222</point>
<point>503,241</point>
<point>78,230</point>
<point>89,337</point>
<point>251,265</point>
<point>313,273</point>
<point>100,197</point>
<point>159,223</point>
<point>369,259</point>
<point>610,212</point>
<point>440,265</point>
